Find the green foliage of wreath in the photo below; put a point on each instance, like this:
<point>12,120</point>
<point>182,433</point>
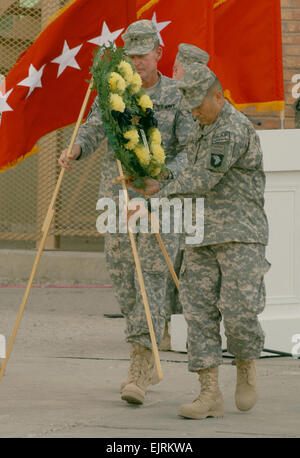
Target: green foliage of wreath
<point>127,115</point>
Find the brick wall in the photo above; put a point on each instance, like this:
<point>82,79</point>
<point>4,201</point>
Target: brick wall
<point>291,64</point>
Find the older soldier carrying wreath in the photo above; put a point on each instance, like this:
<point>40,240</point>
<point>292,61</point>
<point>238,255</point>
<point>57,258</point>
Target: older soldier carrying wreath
<point>224,275</point>
<point>141,41</point>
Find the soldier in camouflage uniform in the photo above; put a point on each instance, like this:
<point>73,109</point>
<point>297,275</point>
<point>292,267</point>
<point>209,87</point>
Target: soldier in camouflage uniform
<point>222,277</point>
<point>187,55</point>
<point>142,44</point>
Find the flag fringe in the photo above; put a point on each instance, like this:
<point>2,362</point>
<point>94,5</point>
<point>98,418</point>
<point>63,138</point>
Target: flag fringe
<point>219,3</point>
<point>273,105</point>
<point>15,162</point>
<point>146,7</point>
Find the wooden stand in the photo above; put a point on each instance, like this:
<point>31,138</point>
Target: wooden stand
<point>45,230</point>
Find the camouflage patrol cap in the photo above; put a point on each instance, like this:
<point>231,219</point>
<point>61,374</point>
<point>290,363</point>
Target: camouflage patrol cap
<point>140,37</point>
<point>197,79</point>
<point>189,54</point>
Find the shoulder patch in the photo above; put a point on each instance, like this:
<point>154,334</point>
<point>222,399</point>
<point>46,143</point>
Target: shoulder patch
<point>216,160</point>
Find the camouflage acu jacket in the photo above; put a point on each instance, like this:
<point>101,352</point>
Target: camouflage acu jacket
<point>174,122</point>
<point>226,168</point>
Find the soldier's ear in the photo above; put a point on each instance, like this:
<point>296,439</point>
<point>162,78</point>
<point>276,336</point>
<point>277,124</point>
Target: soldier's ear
<point>159,53</point>
<point>219,97</point>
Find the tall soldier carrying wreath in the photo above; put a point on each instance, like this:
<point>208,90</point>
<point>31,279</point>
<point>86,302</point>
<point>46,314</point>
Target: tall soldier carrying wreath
<point>174,124</point>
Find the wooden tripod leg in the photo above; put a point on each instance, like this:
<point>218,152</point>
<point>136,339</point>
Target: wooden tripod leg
<point>168,261</point>
<point>45,229</point>
<point>141,282</point>
<point>155,228</point>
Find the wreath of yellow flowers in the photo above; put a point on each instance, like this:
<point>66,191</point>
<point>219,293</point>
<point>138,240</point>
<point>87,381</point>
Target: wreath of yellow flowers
<point>127,113</point>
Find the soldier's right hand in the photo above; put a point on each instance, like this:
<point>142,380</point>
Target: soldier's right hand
<point>65,161</point>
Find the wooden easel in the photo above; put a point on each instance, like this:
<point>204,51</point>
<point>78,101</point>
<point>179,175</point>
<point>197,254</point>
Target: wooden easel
<point>45,230</point>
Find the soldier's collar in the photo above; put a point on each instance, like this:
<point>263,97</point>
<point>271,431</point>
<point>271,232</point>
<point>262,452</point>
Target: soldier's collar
<point>223,113</point>
<point>152,90</point>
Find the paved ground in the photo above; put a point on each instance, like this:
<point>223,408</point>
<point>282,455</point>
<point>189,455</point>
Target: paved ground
<point>63,378</point>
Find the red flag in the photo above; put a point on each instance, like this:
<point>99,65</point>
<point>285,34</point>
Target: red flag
<point>45,89</point>
<point>178,22</point>
<point>248,52</point>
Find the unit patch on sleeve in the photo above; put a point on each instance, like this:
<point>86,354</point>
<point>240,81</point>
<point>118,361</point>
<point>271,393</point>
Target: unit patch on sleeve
<point>216,159</point>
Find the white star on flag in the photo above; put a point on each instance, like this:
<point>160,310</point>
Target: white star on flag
<point>3,102</point>
<point>67,58</point>
<point>160,26</point>
<point>106,36</point>
<point>33,80</point>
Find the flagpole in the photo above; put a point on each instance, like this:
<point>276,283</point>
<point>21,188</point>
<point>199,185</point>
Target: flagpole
<point>282,119</point>
<point>45,230</point>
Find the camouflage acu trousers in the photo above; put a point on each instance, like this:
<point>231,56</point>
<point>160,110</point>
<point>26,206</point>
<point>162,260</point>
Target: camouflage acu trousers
<point>160,287</point>
<point>223,281</point>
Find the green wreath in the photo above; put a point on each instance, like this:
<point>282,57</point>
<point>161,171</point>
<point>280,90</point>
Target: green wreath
<point>127,114</point>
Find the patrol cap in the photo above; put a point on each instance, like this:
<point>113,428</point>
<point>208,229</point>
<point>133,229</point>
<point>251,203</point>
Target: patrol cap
<point>140,37</point>
<point>189,54</point>
<point>197,79</point>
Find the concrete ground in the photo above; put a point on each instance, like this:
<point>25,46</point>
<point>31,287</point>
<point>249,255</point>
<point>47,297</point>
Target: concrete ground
<point>68,361</point>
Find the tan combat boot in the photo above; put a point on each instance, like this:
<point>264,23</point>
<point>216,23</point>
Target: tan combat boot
<point>140,374</point>
<point>210,402</point>
<point>166,342</point>
<point>246,393</point>
<point>131,371</point>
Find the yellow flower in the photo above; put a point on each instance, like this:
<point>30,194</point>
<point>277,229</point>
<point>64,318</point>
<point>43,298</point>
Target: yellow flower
<point>117,103</point>
<point>142,155</point>
<point>126,70</point>
<point>155,172</point>
<point>135,83</point>
<point>145,102</point>
<point>155,136</point>
<point>116,82</point>
<point>133,137</point>
<point>158,153</point>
